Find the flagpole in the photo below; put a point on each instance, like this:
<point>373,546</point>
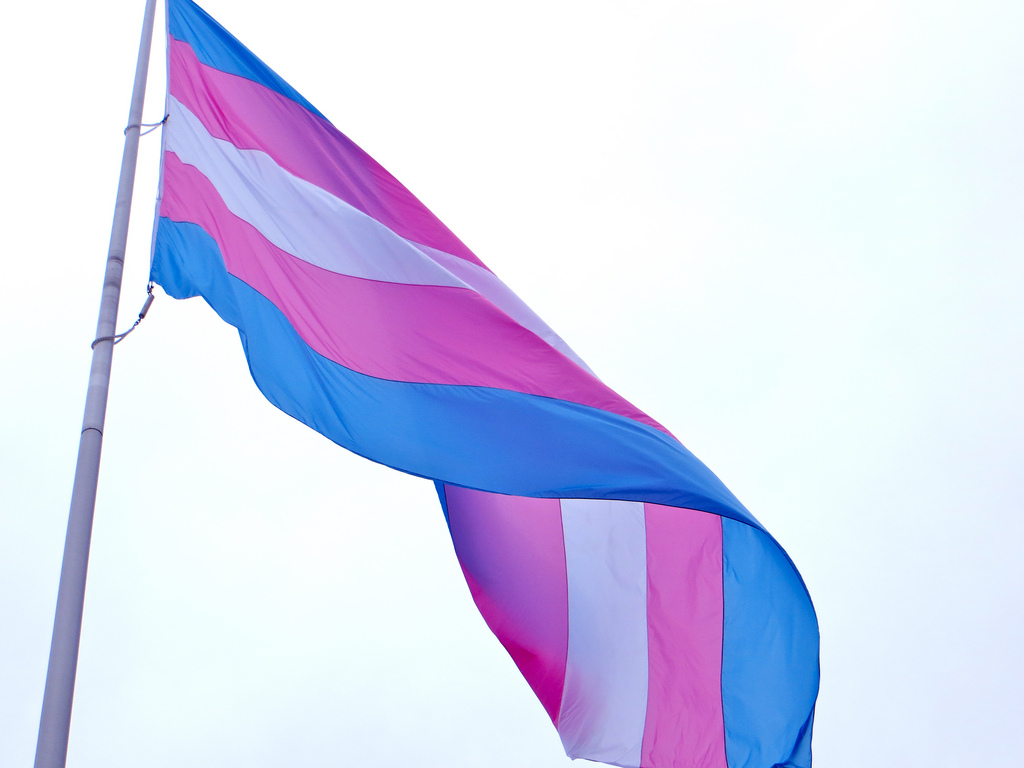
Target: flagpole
<point>55,720</point>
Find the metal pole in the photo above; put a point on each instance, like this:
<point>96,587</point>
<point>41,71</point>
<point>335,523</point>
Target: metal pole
<point>55,721</point>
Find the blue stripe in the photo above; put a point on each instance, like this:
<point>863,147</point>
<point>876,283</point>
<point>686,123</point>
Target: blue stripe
<point>477,437</point>
<point>218,48</point>
<point>443,498</point>
<point>770,633</point>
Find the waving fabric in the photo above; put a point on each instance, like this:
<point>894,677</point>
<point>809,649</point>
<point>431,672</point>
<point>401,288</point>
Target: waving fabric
<point>658,623</point>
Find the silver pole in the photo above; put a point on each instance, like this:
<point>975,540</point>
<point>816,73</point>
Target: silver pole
<point>55,721</point>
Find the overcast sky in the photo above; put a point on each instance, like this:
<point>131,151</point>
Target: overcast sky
<point>792,232</point>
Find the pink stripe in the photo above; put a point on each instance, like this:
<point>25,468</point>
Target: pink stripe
<point>511,552</point>
<point>416,333</point>
<point>251,116</point>
<point>684,630</point>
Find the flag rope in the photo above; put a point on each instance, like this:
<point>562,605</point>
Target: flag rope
<point>151,126</point>
<point>117,338</point>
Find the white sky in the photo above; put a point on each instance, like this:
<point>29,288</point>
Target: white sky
<point>792,232</point>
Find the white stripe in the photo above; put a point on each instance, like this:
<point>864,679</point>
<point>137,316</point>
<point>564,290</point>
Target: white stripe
<point>604,704</point>
<point>321,229</point>
<point>296,216</point>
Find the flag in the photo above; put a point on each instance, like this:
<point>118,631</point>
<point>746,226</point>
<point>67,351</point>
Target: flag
<point>656,620</point>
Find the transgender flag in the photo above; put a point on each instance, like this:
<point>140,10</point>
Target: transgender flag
<point>656,620</point>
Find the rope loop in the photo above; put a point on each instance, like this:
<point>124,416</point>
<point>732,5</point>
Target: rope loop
<point>118,338</point>
<point>150,126</point>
